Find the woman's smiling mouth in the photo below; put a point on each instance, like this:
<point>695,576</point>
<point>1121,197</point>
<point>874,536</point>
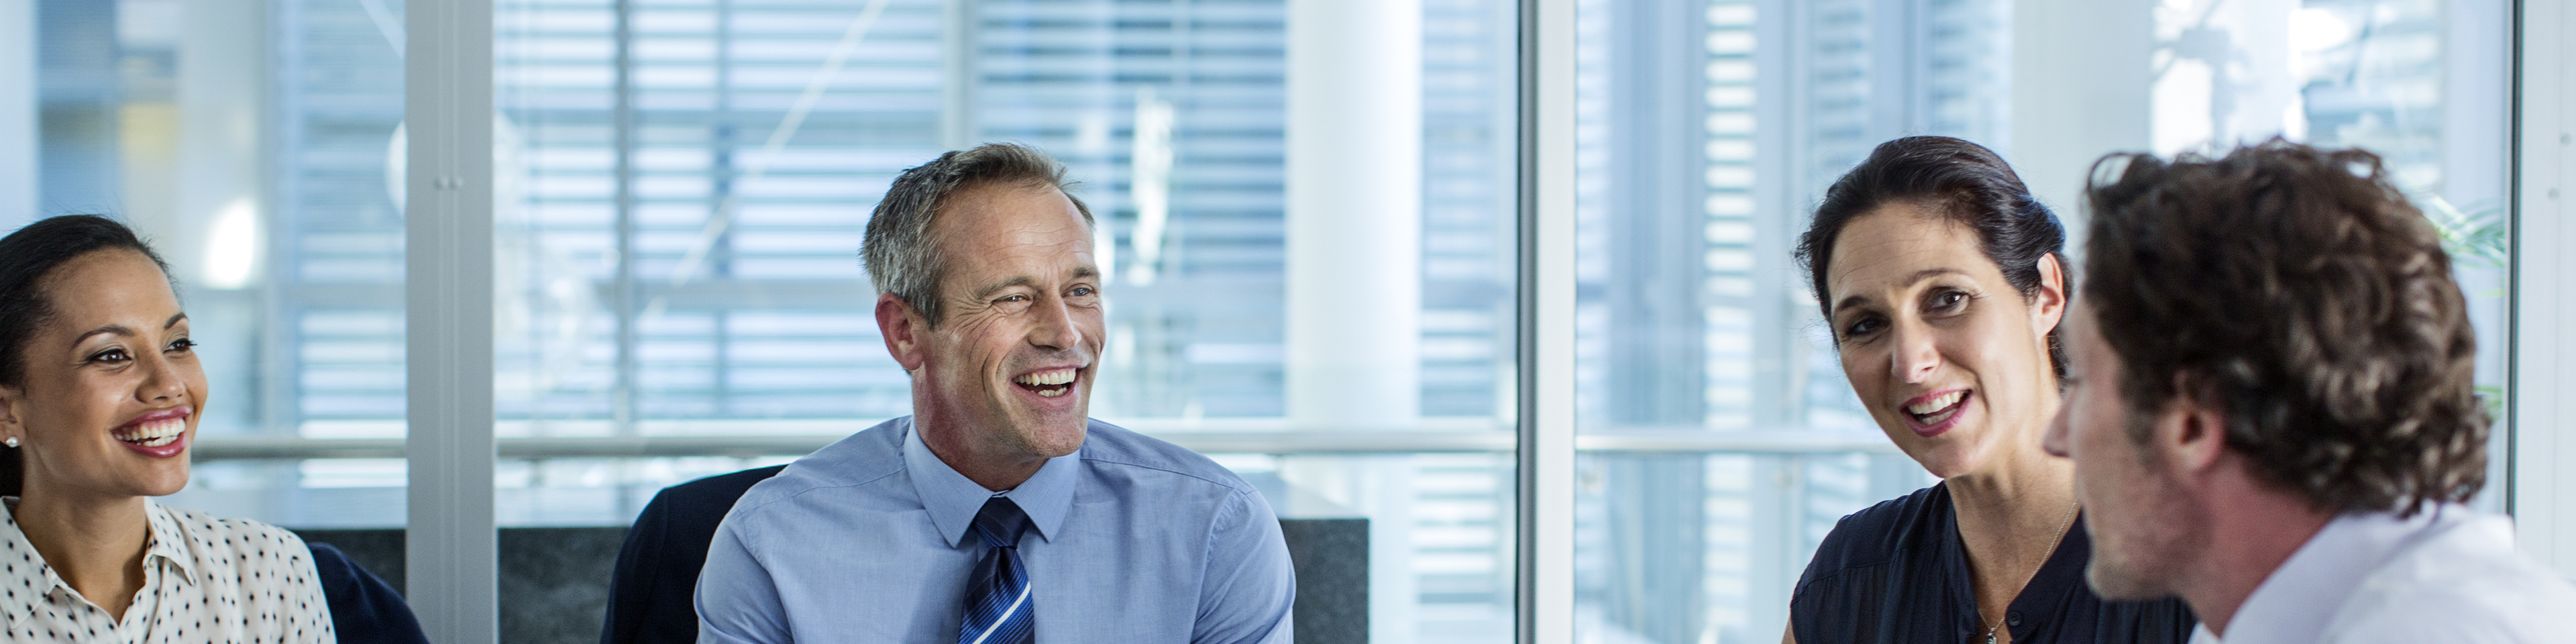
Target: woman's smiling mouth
<point>1932,414</point>
<point>157,434</point>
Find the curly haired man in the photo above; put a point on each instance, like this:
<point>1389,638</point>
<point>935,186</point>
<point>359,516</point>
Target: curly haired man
<point>2271,412</point>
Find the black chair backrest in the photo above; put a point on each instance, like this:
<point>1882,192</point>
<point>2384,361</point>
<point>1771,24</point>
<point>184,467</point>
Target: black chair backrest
<point>652,597</point>
<point>364,609</point>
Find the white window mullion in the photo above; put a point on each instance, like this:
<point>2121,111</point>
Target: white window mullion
<point>452,546</point>
<point>2542,496</point>
<point>20,131</point>
<point>1547,291</point>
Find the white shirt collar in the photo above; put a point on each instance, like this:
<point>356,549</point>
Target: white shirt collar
<point>166,545</point>
<point>2297,601</point>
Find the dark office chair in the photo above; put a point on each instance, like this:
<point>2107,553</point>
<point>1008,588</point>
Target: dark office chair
<point>364,609</point>
<point>652,596</point>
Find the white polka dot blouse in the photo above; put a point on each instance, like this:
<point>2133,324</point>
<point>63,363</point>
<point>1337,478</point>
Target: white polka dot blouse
<point>205,579</point>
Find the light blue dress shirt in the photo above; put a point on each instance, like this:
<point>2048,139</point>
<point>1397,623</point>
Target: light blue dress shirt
<point>1131,539</point>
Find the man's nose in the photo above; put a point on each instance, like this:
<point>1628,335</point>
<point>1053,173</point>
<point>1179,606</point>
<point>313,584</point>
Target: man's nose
<point>1054,328</point>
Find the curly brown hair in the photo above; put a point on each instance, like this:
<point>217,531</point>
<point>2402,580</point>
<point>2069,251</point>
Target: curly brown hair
<point>2299,287</point>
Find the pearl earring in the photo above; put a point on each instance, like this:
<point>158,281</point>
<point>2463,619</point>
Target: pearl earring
<point>13,441</point>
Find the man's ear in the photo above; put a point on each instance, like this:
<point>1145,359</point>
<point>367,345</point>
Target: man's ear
<point>2048,303</point>
<point>2191,428</point>
<point>902,328</point>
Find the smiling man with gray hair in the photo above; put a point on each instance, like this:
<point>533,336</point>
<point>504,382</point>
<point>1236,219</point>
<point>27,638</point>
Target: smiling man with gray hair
<point>998,511</point>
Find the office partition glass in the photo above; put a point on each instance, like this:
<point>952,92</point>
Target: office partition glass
<point>1720,441</point>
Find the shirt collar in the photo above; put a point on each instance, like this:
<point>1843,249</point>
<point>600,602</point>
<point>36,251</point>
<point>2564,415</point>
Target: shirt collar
<point>26,569</point>
<point>169,543</point>
<point>2294,603</point>
<point>27,579</point>
<point>953,500</point>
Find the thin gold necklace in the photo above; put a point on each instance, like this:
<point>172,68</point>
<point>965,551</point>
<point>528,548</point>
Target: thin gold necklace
<point>2062,525</point>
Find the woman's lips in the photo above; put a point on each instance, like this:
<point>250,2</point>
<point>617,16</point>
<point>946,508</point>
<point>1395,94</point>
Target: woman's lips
<point>160,434</point>
<point>1934,420</point>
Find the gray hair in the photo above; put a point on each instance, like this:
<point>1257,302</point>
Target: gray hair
<point>902,254</point>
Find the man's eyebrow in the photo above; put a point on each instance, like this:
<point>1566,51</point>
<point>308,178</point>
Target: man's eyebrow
<point>1918,277</point>
<point>997,287</point>
<point>1079,272</point>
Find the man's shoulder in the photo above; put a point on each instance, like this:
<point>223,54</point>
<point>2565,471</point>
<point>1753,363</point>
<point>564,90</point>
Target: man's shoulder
<point>1110,447</point>
<point>2463,580</point>
<point>862,458</point>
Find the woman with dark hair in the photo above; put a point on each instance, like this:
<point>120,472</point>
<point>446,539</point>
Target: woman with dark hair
<point>1943,281</point>
<point>100,392</point>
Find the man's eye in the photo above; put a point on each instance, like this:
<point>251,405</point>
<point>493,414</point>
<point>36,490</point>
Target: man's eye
<point>1011,298</point>
<point>1080,291</point>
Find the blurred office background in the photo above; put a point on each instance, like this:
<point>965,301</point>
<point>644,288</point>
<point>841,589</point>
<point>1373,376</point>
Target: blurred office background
<point>1309,208</point>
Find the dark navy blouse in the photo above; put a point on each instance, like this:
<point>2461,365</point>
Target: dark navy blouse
<point>364,609</point>
<point>1897,572</point>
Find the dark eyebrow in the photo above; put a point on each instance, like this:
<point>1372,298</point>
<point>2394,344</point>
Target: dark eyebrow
<point>114,329</point>
<point>1918,277</point>
<point>1080,272</point>
<point>119,329</point>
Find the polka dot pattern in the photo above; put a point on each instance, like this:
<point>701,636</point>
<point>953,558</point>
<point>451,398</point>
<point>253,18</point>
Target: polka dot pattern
<point>205,579</point>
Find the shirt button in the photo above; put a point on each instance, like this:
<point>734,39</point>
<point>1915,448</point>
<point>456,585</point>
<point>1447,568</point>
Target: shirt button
<point>2012,618</point>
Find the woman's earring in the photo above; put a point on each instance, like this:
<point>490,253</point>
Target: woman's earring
<point>13,442</point>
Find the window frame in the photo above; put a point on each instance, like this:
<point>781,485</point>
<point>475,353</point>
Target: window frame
<point>449,297</point>
<point>1546,355</point>
<point>452,543</point>
<point>2540,497</point>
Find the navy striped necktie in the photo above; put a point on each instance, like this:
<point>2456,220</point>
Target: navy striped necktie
<point>998,610</point>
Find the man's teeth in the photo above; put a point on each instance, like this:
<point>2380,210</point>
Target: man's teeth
<point>1936,404</point>
<point>153,434</point>
<point>1044,378</point>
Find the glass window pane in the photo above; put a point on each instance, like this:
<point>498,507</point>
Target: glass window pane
<point>2421,83</point>
<point>254,144</point>
<point>1698,150</point>
<point>1707,130</point>
<point>685,186</point>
